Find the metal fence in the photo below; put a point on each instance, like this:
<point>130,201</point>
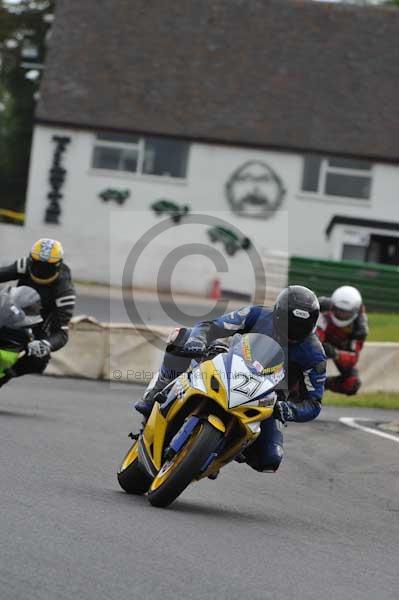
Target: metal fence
<point>378,284</point>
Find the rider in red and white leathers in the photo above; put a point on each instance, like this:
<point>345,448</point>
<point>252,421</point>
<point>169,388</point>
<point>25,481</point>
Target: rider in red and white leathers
<point>342,328</point>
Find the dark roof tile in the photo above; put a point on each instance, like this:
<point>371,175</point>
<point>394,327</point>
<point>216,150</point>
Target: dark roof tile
<point>278,73</point>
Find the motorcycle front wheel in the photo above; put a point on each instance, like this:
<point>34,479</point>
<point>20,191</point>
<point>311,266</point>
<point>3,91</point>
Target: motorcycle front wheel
<point>176,474</point>
<point>131,476</point>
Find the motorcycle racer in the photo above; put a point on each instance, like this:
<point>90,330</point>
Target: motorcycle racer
<point>44,270</point>
<point>342,328</point>
<point>291,323</point>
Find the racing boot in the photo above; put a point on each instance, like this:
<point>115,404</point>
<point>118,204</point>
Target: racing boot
<point>144,406</point>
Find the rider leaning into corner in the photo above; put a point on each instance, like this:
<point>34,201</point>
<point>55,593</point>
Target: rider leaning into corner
<point>342,328</point>
<point>292,323</point>
<point>43,270</point>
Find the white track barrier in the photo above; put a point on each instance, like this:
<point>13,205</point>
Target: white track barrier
<point>120,352</point>
<point>85,353</point>
<point>116,352</point>
<point>378,367</point>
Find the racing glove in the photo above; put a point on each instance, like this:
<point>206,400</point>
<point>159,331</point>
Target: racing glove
<point>283,412</point>
<point>330,351</point>
<point>39,348</point>
<point>195,346</point>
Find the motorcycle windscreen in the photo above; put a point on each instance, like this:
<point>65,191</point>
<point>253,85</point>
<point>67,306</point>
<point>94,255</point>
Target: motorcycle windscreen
<point>261,354</point>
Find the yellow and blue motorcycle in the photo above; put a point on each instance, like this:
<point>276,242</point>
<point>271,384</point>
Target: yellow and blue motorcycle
<point>210,415</point>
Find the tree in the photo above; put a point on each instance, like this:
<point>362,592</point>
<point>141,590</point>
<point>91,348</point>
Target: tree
<point>23,29</point>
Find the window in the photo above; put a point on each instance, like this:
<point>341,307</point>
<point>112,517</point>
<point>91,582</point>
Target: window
<point>337,177</point>
<point>162,157</point>
<point>353,252</point>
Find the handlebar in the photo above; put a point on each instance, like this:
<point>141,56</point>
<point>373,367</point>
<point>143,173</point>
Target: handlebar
<point>184,354</point>
<point>208,354</point>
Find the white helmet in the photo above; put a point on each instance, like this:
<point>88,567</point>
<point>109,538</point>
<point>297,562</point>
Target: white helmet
<point>346,302</point>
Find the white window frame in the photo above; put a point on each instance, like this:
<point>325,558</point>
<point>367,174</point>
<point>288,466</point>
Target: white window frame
<point>140,146</point>
<point>326,169</point>
<point>120,146</point>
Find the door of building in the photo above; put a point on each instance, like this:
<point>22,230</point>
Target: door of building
<point>383,249</point>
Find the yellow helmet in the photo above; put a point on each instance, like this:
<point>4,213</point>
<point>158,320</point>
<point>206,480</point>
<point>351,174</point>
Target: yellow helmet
<point>45,260</point>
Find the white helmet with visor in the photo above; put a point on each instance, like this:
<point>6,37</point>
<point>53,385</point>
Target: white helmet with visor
<point>346,303</point>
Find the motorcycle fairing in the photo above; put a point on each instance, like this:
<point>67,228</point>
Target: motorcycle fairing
<point>247,388</point>
<point>8,358</point>
<point>210,381</point>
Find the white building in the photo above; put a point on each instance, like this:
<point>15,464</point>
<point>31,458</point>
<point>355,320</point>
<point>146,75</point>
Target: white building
<point>291,140</point>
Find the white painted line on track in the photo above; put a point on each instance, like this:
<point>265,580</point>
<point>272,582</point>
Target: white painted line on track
<point>351,422</point>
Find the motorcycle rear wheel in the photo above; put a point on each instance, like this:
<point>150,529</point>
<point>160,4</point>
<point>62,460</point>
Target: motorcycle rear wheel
<point>176,474</point>
<point>131,476</point>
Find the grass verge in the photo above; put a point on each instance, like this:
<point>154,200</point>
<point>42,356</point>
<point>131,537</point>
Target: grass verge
<point>384,327</point>
<point>375,400</point>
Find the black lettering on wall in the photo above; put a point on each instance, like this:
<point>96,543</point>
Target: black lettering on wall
<point>56,180</point>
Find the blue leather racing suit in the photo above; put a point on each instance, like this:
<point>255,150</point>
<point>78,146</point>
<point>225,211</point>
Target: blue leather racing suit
<point>305,366</point>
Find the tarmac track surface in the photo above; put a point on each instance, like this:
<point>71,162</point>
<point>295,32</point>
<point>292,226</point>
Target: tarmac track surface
<point>113,310</point>
<point>325,526</point>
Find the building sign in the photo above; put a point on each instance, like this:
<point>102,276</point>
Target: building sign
<point>56,180</point>
<point>255,190</point>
